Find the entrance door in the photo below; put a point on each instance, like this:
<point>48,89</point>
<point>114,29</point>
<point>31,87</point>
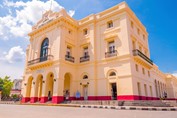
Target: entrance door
<point>139,90</point>
<point>85,90</point>
<point>114,91</point>
<point>49,96</point>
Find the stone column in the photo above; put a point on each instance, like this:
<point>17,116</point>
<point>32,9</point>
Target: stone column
<point>58,91</point>
<point>44,97</point>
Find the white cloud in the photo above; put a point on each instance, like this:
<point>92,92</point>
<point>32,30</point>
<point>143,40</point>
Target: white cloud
<point>19,18</point>
<point>12,70</point>
<point>174,73</point>
<point>25,15</point>
<point>15,54</point>
<point>71,12</point>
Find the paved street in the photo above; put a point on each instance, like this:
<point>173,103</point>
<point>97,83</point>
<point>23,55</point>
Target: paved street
<point>24,111</point>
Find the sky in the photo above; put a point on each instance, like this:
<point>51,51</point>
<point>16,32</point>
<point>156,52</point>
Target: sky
<point>17,17</point>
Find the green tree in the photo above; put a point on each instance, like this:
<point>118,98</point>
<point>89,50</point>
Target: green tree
<point>5,86</point>
<point>1,84</point>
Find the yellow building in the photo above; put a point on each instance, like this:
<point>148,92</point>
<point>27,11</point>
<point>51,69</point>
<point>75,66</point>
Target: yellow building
<point>104,56</point>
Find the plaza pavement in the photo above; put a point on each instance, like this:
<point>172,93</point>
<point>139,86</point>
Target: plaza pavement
<point>35,111</point>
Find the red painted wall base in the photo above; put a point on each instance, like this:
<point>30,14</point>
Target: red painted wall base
<point>44,99</point>
<point>57,99</point>
<point>135,97</point>
<point>33,99</point>
<point>25,99</point>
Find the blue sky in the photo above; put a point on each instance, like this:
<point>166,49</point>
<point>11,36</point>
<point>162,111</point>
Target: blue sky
<point>17,17</point>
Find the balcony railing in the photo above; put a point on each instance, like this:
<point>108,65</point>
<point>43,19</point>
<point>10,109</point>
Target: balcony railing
<point>111,53</point>
<point>69,58</point>
<point>41,59</point>
<point>136,52</point>
<point>84,58</point>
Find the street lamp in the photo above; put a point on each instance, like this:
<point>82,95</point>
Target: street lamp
<point>0,93</point>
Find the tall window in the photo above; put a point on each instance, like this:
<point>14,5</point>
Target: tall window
<point>145,52</point>
<point>139,88</point>
<point>149,73</point>
<point>109,24</point>
<point>85,31</point>
<point>134,45</point>
<point>145,90</point>
<point>150,87</point>
<point>144,37</point>
<point>86,52</point>
<point>140,48</point>
<point>68,51</point>
<point>143,70</point>
<point>136,67</point>
<point>132,24</point>
<point>44,49</point>
<point>111,47</point>
<point>138,31</point>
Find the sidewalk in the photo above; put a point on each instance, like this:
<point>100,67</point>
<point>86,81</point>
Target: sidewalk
<point>108,107</point>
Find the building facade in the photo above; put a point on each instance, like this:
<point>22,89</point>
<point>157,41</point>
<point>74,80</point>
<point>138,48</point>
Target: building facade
<point>104,56</point>
<point>16,89</point>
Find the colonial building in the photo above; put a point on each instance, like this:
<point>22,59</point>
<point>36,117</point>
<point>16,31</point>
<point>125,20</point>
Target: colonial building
<point>16,89</point>
<point>104,56</point>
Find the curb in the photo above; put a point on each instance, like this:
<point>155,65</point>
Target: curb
<point>7,102</point>
<point>131,108</point>
<point>109,107</point>
<point>62,105</point>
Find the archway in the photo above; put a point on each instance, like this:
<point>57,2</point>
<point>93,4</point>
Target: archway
<point>67,86</point>
<point>29,85</point>
<point>49,86</point>
<point>112,78</point>
<point>38,90</point>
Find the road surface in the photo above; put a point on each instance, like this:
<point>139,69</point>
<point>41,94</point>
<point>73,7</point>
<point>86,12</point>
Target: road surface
<point>25,111</point>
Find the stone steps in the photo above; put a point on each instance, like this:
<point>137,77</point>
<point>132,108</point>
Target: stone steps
<point>171,102</point>
<point>156,103</point>
<point>147,103</point>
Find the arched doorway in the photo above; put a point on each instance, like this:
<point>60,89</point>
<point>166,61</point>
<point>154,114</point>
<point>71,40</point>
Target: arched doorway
<point>29,85</point>
<point>85,85</point>
<point>112,77</point>
<point>67,86</point>
<point>49,86</point>
<point>38,90</point>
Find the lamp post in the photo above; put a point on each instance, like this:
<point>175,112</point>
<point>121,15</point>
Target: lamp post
<point>0,94</point>
<point>0,90</point>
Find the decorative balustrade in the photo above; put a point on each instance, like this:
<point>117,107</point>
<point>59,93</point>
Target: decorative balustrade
<point>41,59</point>
<point>136,52</point>
<point>85,58</point>
<point>69,58</point>
<point>111,53</point>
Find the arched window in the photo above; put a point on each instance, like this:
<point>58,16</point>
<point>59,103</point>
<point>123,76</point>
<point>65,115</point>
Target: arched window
<point>44,49</point>
<point>112,74</point>
<point>85,77</point>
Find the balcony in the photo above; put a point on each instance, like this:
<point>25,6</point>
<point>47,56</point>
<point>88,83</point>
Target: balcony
<point>111,54</point>
<point>41,59</point>
<point>84,58</point>
<point>69,58</point>
<point>138,53</point>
